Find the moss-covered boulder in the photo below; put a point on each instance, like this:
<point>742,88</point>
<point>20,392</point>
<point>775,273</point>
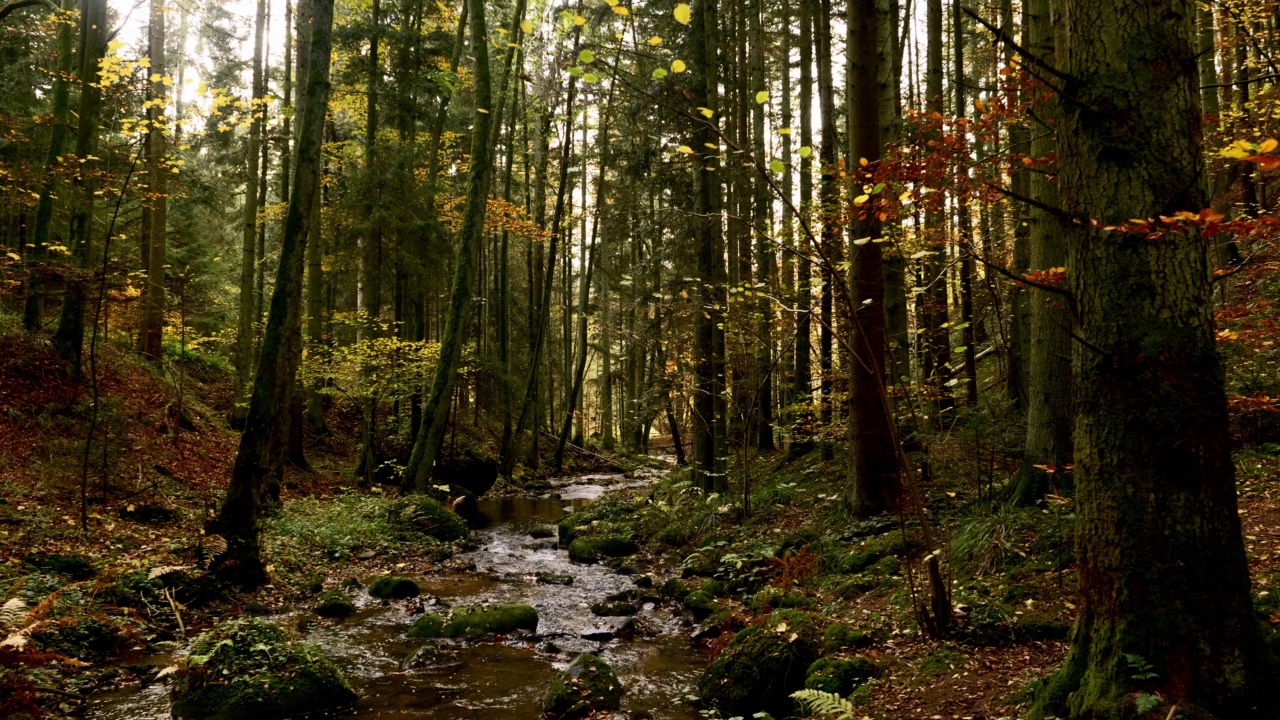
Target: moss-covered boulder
<point>250,668</point>
<point>699,603</point>
<point>590,550</point>
<point>839,636</point>
<point>432,518</point>
<point>476,621</point>
<point>762,666</point>
<point>839,676</point>
<point>334,604</point>
<point>394,587</point>
<point>588,685</point>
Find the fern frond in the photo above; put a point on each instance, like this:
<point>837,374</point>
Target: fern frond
<point>824,703</point>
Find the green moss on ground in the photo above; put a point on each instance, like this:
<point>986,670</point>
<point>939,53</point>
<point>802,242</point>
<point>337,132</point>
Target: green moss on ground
<point>430,517</point>
<point>250,668</point>
<point>587,686</point>
<point>762,666</point>
<point>476,621</point>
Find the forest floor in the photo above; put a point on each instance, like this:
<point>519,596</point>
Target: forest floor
<point>99,599</point>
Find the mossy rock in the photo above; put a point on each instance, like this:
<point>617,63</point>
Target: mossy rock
<point>676,589</point>
<point>432,518</point>
<point>838,636</point>
<point>432,658</point>
<point>587,686</point>
<point>856,562</point>
<point>1037,628</point>
<point>839,676</point>
<point>613,608</point>
<point>543,577</point>
<point>83,638</point>
<point>590,550</point>
<point>567,530</point>
<point>762,666</point>
<point>542,531</point>
<point>334,603</point>
<point>250,668</point>
<point>775,599</point>
<point>394,587</point>
<point>700,604</point>
<point>73,567</point>
<point>476,621</point>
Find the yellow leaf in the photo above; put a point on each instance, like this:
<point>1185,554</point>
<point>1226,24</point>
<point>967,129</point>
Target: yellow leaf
<point>655,41</point>
<point>579,20</point>
<point>685,149</point>
<point>1267,146</point>
<point>861,199</point>
<point>784,131</point>
<point>526,27</point>
<point>707,112</point>
<point>762,97</point>
<point>677,66</point>
<point>620,10</point>
<point>683,14</point>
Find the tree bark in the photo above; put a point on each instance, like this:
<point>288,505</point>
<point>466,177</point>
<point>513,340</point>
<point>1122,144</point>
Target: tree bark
<point>150,334</point>
<point>269,403</point>
<point>1163,575</point>
<point>426,447</point>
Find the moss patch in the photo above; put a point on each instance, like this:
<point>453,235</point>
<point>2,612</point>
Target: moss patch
<point>586,686</point>
<point>762,666</point>
<point>590,550</point>
<point>249,668</point>
<point>394,587</point>
<point>839,676</point>
<point>476,621</point>
<point>430,517</point>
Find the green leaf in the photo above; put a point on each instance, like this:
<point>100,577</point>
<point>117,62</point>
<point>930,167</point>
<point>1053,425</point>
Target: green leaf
<point>777,166</point>
<point>591,77</point>
<point>805,151</point>
<point>575,71</point>
<point>586,57</point>
<point>762,97</point>
<point>659,73</point>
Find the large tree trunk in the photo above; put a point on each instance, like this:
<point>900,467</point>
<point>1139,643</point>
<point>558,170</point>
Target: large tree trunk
<point>426,447</point>
<point>269,404</point>
<point>69,337</point>
<point>150,335</point>
<point>369,286</point>
<point>804,271</point>
<point>765,259</point>
<point>873,463</point>
<point>1163,576</point>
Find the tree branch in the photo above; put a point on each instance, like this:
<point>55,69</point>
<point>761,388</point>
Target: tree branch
<point>19,4</point>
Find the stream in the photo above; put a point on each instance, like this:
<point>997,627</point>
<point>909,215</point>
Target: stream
<point>655,660</point>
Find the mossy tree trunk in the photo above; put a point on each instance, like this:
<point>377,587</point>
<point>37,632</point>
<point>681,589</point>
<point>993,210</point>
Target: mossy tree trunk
<point>269,403</point>
<point>426,446</point>
<point>1163,575</point>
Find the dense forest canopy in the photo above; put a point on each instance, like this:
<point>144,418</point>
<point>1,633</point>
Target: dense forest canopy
<point>982,273</point>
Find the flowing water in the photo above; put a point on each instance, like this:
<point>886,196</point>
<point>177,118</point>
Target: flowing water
<point>656,663</point>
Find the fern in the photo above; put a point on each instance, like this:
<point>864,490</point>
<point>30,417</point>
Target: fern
<point>825,703</point>
<point>13,614</point>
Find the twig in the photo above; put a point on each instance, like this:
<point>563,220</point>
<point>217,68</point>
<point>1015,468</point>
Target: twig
<point>182,629</point>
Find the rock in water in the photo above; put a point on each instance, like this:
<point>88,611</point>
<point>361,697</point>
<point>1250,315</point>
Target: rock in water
<point>762,666</point>
<point>250,669</point>
<point>476,621</point>
<point>334,603</point>
<point>432,658</point>
<point>586,686</point>
<point>609,628</point>
<point>394,587</point>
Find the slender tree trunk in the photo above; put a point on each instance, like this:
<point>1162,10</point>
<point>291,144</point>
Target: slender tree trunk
<point>369,287</point>
<point>248,247</point>
<point>34,305</point>
<point>710,421</point>
<point>964,220</point>
<point>1019,350</point>
<point>765,259</point>
<point>829,200</point>
<point>238,519</point>
<point>426,447</point>
<point>153,294</point>
<point>1163,574</point>
<point>1049,409</point>
<point>68,339</point>
<point>937,335</point>
<point>804,269</point>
